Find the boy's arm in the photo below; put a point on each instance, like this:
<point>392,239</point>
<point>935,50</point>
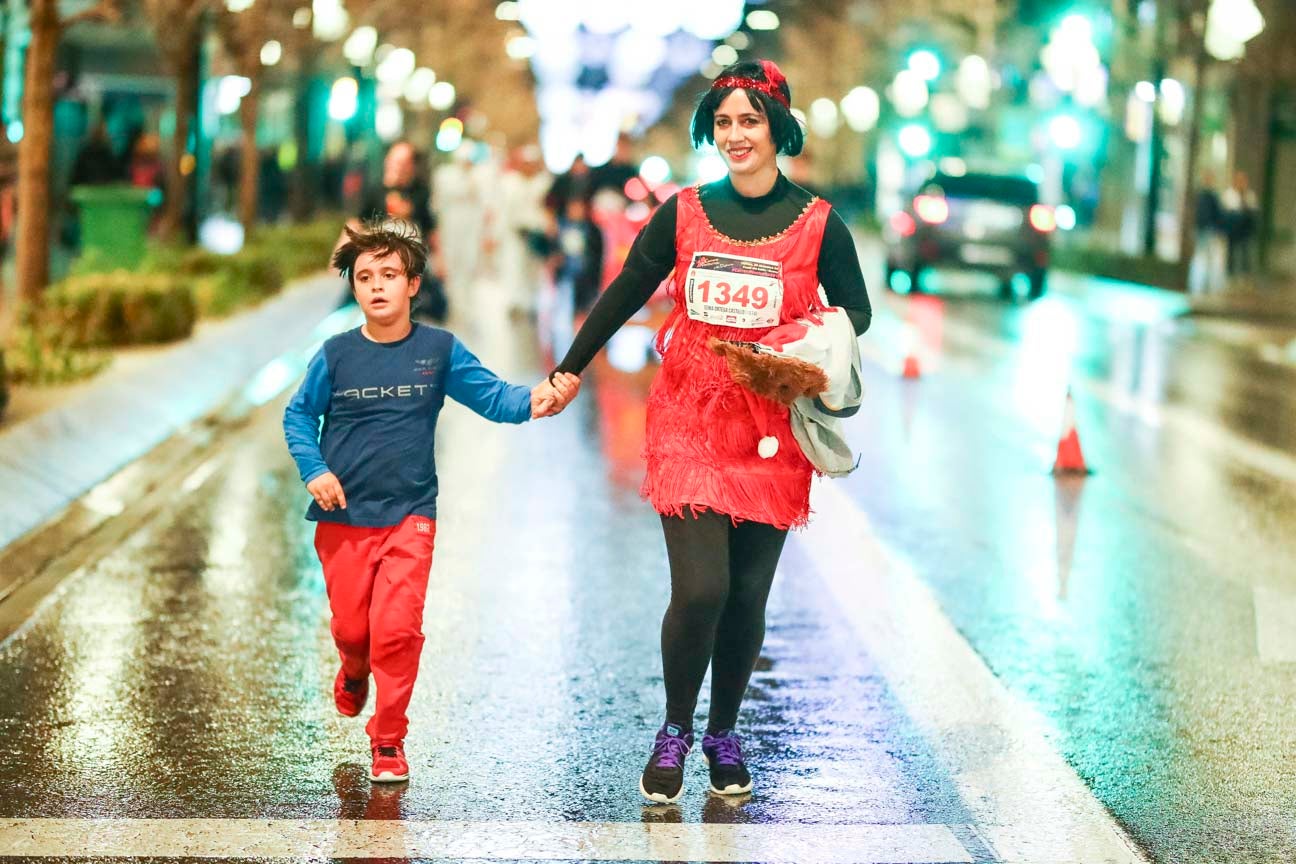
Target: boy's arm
<point>302,419</point>
<point>473,385</point>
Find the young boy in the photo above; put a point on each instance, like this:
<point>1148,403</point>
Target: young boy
<point>379,389</point>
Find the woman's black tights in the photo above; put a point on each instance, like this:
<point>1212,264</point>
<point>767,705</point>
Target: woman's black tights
<point>720,579</point>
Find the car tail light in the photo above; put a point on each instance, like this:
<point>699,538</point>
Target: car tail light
<point>1042,218</point>
<point>931,208</point>
<point>903,224</point>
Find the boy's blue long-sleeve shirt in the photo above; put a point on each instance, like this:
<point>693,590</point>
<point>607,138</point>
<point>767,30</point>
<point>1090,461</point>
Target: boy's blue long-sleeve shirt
<point>380,402</point>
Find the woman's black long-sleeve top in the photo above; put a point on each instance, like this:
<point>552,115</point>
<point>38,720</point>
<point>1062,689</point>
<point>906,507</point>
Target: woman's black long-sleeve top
<point>653,255</point>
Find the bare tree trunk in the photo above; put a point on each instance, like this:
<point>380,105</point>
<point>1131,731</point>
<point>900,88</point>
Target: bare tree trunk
<point>305,180</point>
<point>184,69</point>
<point>1188,208</point>
<point>249,176</point>
<point>34,152</point>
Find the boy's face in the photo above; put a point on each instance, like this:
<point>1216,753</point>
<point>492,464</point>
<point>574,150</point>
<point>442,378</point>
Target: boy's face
<point>382,289</point>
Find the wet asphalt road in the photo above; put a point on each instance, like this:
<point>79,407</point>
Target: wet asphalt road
<point>1148,612</point>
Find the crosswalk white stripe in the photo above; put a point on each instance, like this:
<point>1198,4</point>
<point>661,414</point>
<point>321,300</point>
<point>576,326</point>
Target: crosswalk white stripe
<point>544,841</point>
<point>1025,799</point>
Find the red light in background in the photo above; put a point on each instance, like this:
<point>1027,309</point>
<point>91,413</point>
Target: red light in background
<point>636,189</point>
<point>931,208</point>
<point>1042,218</point>
<point>663,192</point>
<point>903,224</point>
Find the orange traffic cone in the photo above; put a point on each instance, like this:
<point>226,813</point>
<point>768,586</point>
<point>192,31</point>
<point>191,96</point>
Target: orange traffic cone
<point>1070,458</point>
<point>911,367</point>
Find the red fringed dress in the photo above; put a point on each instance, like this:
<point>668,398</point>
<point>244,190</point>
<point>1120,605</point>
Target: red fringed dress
<point>702,428</point>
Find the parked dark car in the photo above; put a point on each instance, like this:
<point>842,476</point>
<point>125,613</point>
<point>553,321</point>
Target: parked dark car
<point>992,223</point>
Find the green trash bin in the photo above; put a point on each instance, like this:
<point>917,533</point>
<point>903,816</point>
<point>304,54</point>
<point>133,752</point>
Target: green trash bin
<point>114,223</point>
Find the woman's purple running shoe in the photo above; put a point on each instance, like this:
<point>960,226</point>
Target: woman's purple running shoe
<point>722,753</point>
<point>663,779</point>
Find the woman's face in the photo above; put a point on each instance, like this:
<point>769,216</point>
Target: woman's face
<point>742,135</point>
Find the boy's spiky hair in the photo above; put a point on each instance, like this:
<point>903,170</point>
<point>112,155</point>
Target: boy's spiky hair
<point>382,237</point>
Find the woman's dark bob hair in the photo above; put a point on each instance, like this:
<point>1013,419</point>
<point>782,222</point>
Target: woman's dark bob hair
<point>786,132</point>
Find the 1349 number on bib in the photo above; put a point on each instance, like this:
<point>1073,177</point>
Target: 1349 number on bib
<point>734,291</point>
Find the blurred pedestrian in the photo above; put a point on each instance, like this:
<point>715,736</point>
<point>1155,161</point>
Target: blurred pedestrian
<point>97,164</point>
<point>371,471</point>
<point>1207,268</point>
<point>144,169</point>
<point>272,185</point>
<point>404,195</point>
<point>580,255</point>
<point>575,182</point>
<point>617,171</point>
<point>457,201</point>
<point>225,176</point>
<point>520,225</point>
<point>1241,210</point>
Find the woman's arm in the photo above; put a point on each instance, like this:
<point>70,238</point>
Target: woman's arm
<point>650,260</point>
<point>839,273</point>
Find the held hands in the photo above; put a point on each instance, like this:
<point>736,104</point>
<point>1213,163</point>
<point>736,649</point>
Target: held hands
<point>548,399</point>
<point>327,491</point>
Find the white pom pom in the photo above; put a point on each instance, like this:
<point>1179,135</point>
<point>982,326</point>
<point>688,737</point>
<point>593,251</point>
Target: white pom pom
<point>767,447</point>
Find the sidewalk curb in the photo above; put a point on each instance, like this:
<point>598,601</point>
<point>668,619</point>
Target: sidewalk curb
<point>73,454</point>
<point>1275,307</point>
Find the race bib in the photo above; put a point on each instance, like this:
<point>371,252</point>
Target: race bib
<point>733,291</point>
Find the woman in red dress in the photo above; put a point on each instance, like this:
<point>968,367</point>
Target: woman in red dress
<point>747,253</point>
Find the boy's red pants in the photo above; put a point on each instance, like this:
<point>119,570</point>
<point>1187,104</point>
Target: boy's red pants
<point>377,583</point>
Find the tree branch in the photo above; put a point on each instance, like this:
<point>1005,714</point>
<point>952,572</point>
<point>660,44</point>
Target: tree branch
<point>106,11</point>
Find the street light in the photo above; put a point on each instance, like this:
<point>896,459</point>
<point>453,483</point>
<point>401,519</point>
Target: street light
<point>450,135</point>
<point>1065,132</point>
<point>329,19</point>
<point>974,82</point>
<point>520,47</point>
<point>389,121</point>
<point>655,170</point>
<point>714,19</point>
<point>824,119</point>
<point>908,93</point>
<point>271,53</point>
<point>861,107</point>
<point>359,46</point>
<point>419,85</point>
<point>915,141</point>
<point>724,55</point>
<point>926,64</point>
<point>1230,24</point>
<point>344,98</point>
<point>442,95</point>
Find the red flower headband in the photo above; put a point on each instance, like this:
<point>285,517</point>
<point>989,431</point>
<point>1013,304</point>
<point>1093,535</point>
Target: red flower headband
<point>769,87</point>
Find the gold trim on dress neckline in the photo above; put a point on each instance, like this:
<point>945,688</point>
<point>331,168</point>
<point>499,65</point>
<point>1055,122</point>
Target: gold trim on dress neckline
<point>760,241</point>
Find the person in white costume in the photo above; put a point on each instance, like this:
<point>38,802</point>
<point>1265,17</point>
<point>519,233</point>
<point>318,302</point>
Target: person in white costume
<point>457,202</point>
<point>521,216</point>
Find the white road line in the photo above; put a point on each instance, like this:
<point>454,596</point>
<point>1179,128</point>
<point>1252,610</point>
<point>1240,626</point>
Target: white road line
<point>545,841</point>
<point>1275,624</point>
<point>1027,803</point>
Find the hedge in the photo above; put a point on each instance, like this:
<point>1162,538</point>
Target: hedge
<point>120,308</point>
<point>158,302</point>
<point>39,354</point>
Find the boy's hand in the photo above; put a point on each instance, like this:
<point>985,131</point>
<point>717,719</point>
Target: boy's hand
<point>543,400</point>
<point>327,491</point>
<point>566,385</point>
<point>548,399</point>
